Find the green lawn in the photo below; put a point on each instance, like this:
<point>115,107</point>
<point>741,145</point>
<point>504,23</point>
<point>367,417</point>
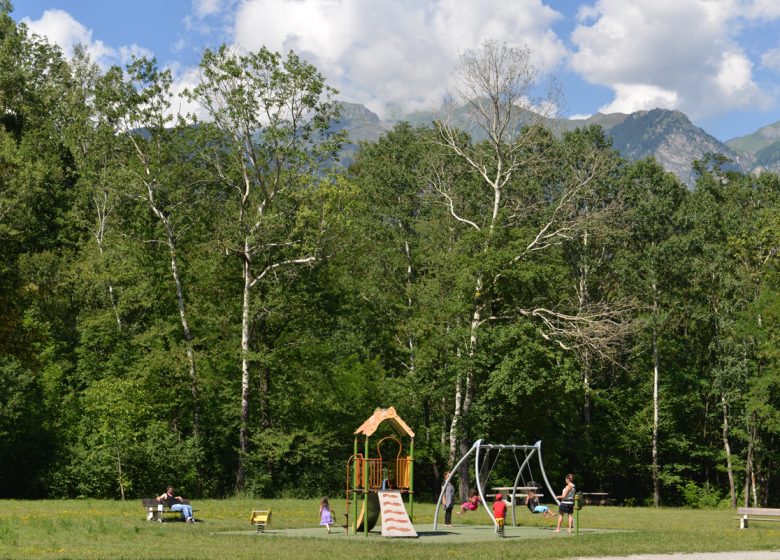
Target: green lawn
<point>106,529</point>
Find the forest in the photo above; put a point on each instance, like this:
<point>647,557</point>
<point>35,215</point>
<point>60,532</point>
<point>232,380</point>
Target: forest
<point>216,301</point>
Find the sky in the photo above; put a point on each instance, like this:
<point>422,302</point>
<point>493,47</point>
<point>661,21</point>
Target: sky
<point>718,61</point>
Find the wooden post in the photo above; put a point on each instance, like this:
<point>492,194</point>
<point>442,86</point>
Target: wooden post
<point>366,486</point>
<point>354,487</point>
<point>411,480</point>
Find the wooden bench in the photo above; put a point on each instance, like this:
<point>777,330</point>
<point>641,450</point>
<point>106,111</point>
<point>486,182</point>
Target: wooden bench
<point>157,511</point>
<point>260,518</point>
<point>756,514</point>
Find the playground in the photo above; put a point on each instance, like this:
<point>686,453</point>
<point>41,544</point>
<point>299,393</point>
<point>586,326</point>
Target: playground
<point>427,534</point>
<point>377,517</point>
<point>57,529</point>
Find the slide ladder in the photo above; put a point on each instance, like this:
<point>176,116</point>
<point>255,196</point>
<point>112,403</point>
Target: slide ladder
<point>395,520</point>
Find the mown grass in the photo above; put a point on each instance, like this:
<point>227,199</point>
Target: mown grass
<point>117,530</point>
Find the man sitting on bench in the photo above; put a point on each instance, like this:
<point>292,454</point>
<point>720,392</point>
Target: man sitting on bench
<point>175,503</point>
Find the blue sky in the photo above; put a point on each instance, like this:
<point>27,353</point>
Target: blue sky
<point>718,61</point>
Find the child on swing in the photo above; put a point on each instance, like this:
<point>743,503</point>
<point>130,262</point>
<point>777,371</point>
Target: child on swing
<point>472,504</point>
<point>532,501</point>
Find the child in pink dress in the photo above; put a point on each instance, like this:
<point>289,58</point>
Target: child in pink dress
<point>472,504</point>
<point>326,516</point>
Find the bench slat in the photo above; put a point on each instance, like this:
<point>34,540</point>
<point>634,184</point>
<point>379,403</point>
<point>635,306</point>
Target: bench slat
<point>759,511</point>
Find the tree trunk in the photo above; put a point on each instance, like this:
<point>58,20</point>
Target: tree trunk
<point>582,300</point>
<point>119,474</point>
<point>409,279</point>
<point>656,373</point>
<point>464,396</point>
<point>727,450</point>
<point>102,217</point>
<point>170,241</point>
<point>586,390</point>
<point>750,463</point>
<point>243,432</point>
<point>186,329</point>
<point>454,428</point>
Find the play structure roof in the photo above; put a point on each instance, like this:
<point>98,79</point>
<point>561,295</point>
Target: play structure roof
<point>381,415</point>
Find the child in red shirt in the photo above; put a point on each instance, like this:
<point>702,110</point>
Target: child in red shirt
<point>499,508</point>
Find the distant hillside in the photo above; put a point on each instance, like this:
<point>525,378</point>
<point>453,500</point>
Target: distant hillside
<point>671,138</point>
<point>761,149</point>
<point>668,136</point>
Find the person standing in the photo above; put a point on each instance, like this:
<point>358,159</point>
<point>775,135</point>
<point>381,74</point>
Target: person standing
<point>176,503</point>
<point>449,500</point>
<point>566,503</point>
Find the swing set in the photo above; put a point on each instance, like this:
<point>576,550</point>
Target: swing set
<point>486,456</point>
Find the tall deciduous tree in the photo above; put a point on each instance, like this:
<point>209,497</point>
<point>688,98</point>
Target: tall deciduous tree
<point>138,104</point>
<point>266,116</point>
<point>520,190</point>
<point>654,198</point>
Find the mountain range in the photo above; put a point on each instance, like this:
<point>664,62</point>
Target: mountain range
<point>668,136</point>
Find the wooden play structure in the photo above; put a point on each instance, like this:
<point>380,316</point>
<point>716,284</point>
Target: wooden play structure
<point>382,480</point>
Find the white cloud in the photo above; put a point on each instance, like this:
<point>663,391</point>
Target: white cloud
<point>771,59</point>
<point>640,97</point>
<point>126,53</point>
<point>59,27</point>
<point>762,9</point>
<point>205,8</point>
<point>395,54</point>
<point>185,78</point>
<point>680,54</point>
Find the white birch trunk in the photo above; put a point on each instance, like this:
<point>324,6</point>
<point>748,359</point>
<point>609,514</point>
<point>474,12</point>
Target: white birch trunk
<point>119,474</point>
<point>243,432</point>
<point>101,209</point>
<point>656,375</point>
<point>170,241</point>
<point>727,450</point>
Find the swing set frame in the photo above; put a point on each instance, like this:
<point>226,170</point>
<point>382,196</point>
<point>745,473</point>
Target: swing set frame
<point>479,463</point>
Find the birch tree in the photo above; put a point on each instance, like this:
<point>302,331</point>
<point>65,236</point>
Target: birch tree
<point>518,191</point>
<point>138,103</point>
<point>266,116</point>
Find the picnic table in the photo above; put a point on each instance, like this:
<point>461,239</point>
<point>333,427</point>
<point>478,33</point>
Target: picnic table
<point>596,498</point>
<point>520,492</point>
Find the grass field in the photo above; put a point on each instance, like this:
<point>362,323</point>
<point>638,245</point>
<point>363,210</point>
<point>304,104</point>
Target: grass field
<point>117,530</point>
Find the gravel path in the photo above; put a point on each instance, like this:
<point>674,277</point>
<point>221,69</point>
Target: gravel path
<point>753,555</point>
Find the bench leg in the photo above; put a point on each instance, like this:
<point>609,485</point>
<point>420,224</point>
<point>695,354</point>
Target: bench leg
<point>743,522</point>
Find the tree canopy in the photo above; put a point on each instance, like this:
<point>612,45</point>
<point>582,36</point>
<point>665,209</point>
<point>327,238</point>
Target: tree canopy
<point>216,303</point>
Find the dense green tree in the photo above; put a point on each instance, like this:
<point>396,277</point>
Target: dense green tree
<point>651,273</point>
<point>36,242</point>
<point>267,145</point>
